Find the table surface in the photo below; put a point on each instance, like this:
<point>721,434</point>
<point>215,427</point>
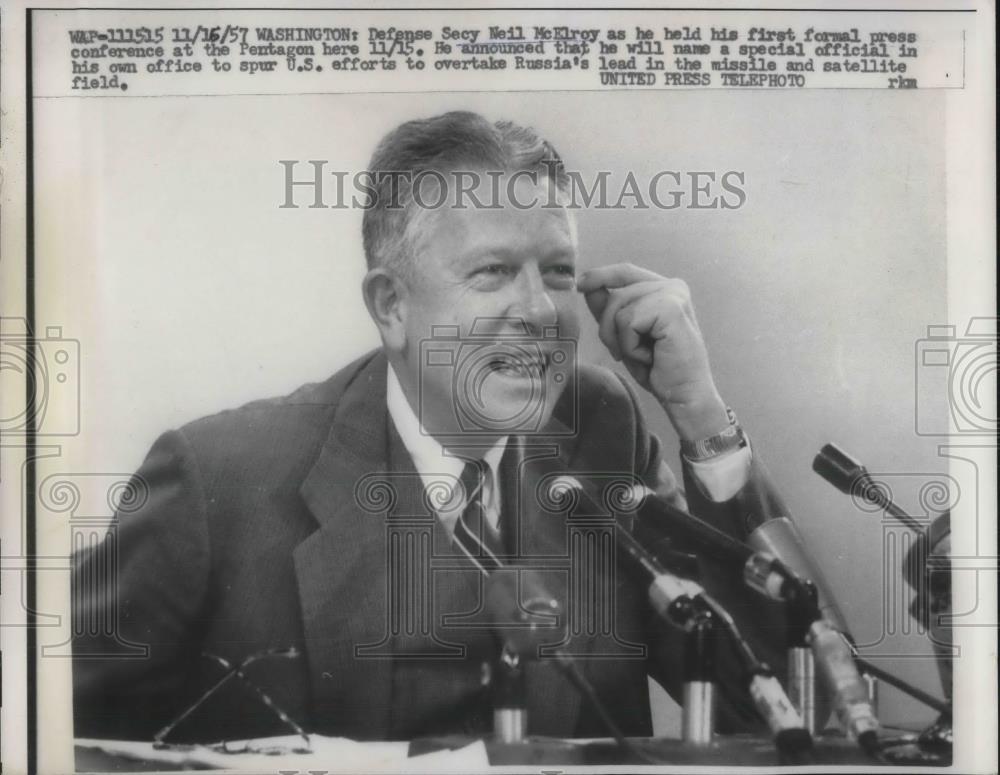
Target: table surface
<point>729,750</point>
<point>734,750</point>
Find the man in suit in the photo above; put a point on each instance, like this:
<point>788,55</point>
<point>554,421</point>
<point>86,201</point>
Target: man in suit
<point>333,521</point>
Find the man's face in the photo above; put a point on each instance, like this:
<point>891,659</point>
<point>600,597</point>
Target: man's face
<point>503,280</point>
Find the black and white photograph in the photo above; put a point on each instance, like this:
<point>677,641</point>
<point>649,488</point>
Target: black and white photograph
<point>549,388</point>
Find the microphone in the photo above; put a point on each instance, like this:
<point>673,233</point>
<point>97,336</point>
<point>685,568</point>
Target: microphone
<point>770,530</point>
<point>679,600</point>
<point>768,575</point>
<point>839,469</point>
<point>520,599</point>
<point>778,539</point>
<point>525,611</point>
<point>852,478</point>
<point>656,519</point>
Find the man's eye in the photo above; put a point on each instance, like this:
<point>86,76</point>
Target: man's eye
<point>495,270</point>
<point>563,270</point>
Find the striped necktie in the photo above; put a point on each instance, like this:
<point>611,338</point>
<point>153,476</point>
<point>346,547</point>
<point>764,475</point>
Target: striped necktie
<point>474,535</point>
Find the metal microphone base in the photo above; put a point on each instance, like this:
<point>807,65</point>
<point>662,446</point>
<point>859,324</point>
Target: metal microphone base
<point>698,718</point>
<point>802,685</point>
<point>510,725</point>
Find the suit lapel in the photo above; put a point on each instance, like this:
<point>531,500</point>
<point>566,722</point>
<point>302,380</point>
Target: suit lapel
<point>341,566</point>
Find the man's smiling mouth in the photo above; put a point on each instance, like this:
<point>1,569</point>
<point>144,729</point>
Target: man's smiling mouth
<point>522,365</point>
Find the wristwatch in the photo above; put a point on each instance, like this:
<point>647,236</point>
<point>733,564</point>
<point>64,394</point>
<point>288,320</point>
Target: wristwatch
<point>732,438</point>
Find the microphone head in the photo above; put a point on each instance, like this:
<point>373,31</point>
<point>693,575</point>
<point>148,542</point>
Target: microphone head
<point>523,613</point>
<point>838,468</point>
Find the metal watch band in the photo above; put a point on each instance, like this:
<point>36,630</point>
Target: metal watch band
<point>727,440</point>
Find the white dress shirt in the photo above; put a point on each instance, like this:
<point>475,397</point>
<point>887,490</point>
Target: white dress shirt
<point>722,477</point>
<point>437,468</point>
<point>719,479</point>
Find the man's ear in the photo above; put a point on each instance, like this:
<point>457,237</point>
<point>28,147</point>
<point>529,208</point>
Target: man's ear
<point>385,296</point>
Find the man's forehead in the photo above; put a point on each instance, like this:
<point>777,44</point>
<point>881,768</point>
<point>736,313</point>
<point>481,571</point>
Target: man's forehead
<point>509,226</point>
<point>520,189</point>
<point>484,215</point>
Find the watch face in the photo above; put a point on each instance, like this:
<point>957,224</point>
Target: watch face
<point>729,439</point>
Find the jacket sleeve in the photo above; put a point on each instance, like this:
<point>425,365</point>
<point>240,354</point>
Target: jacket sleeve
<point>137,597</point>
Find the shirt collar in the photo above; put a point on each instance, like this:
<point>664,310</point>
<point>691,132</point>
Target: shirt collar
<point>429,457</point>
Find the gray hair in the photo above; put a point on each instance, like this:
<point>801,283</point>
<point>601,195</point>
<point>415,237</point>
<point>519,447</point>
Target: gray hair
<point>445,143</point>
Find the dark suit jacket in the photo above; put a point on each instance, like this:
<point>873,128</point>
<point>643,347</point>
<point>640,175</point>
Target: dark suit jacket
<point>264,527</point>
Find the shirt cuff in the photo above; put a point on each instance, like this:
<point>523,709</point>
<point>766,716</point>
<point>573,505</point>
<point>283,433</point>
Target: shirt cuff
<point>721,478</point>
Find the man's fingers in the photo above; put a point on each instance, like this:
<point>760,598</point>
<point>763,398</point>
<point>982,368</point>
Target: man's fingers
<point>596,301</point>
<point>636,329</point>
<point>614,276</point>
<point>607,328</point>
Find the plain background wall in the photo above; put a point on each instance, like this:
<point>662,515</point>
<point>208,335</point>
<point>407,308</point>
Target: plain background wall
<point>162,249</point>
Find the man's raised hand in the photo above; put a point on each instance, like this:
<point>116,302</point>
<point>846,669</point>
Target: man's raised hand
<point>648,323</point>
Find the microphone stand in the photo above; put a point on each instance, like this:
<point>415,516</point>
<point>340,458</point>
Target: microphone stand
<point>698,708</point>
<point>508,687</point>
<point>679,602</point>
<point>683,603</point>
<point>833,656</point>
<point>801,662</point>
<point>507,676</point>
<point>851,477</point>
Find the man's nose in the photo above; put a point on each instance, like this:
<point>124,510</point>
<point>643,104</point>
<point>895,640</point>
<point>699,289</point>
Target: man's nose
<point>534,304</point>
